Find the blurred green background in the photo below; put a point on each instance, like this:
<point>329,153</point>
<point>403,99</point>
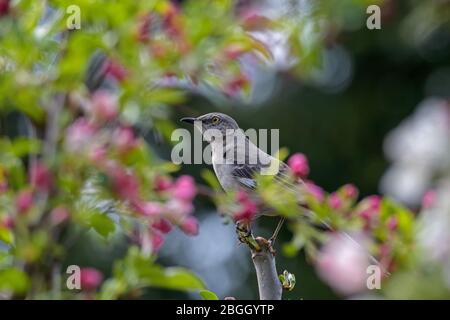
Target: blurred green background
<point>371,80</point>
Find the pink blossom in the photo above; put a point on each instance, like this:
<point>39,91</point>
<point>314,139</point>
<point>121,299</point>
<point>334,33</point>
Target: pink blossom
<point>335,201</point>
<point>342,264</point>
<point>176,210</point>
<point>235,85</point>
<point>104,105</point>
<point>233,51</point>
<point>90,278</point>
<point>429,198</point>
<point>162,183</point>
<point>98,154</point>
<point>299,165</point>
<point>157,241</point>
<point>4,7</point>
<point>368,214</point>
<point>149,208</point>
<point>124,139</point>
<point>79,134</point>
<point>3,186</point>
<point>40,176</point>
<point>24,201</point>
<point>392,223</point>
<point>143,34</point>
<point>252,19</point>
<point>59,215</point>
<point>162,225</point>
<point>374,202</point>
<point>190,226</point>
<point>316,191</point>
<point>350,191</point>
<point>7,222</point>
<point>125,184</point>
<point>185,188</point>
<point>115,70</point>
<point>247,208</point>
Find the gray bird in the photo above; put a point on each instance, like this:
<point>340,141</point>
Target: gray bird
<point>237,161</point>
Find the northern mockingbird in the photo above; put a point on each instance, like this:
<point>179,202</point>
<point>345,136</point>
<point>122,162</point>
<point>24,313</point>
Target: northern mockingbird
<point>237,161</point>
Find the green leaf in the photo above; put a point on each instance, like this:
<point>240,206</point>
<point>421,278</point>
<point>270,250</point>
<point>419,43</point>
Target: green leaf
<point>24,146</point>
<point>210,178</point>
<point>102,224</point>
<point>6,235</point>
<point>14,280</point>
<point>208,295</point>
<point>178,278</point>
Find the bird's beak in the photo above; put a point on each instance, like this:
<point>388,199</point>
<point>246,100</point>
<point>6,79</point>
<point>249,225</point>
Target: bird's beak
<point>188,119</point>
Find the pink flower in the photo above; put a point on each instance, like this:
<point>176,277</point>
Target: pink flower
<point>247,209</point>
<point>24,201</point>
<point>350,191</point>
<point>233,51</point>
<point>185,188</point>
<point>374,202</point>
<point>157,241</point>
<point>90,278</point>
<point>115,70</point>
<point>252,19</point>
<point>392,223</point>
<point>98,154</point>
<point>124,139</point>
<point>104,105</point>
<point>335,201</point>
<point>4,7</point>
<point>429,198</point>
<point>125,184</point>
<point>162,225</point>
<point>299,165</point>
<point>79,134</point>
<point>3,186</point>
<point>315,190</point>
<point>177,210</point>
<point>143,32</point>
<point>342,264</point>
<point>148,208</point>
<point>162,183</point>
<point>7,222</point>
<point>369,210</point>
<point>235,85</point>
<point>190,226</point>
<point>40,176</point>
<point>59,215</point>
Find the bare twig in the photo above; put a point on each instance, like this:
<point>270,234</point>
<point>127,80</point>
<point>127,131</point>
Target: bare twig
<point>263,257</point>
<point>266,272</point>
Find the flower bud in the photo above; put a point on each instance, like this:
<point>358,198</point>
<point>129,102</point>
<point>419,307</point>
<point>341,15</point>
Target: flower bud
<point>299,165</point>
<point>185,188</point>
<point>24,201</point>
<point>190,226</point>
<point>90,278</point>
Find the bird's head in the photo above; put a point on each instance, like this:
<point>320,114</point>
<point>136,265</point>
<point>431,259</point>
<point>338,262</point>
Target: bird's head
<point>214,122</point>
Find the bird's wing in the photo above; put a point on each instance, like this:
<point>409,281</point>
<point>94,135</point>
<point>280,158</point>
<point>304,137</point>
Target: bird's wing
<point>245,175</point>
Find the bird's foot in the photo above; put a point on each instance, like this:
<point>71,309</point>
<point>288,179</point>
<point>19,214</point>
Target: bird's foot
<point>245,235</point>
<point>267,244</point>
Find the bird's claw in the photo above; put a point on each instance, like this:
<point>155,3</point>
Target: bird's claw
<point>267,244</point>
<point>245,236</point>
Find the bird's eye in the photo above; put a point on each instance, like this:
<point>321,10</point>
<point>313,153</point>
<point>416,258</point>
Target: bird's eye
<point>215,120</point>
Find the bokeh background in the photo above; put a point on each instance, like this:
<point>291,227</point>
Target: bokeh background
<point>339,116</point>
<point>370,82</point>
